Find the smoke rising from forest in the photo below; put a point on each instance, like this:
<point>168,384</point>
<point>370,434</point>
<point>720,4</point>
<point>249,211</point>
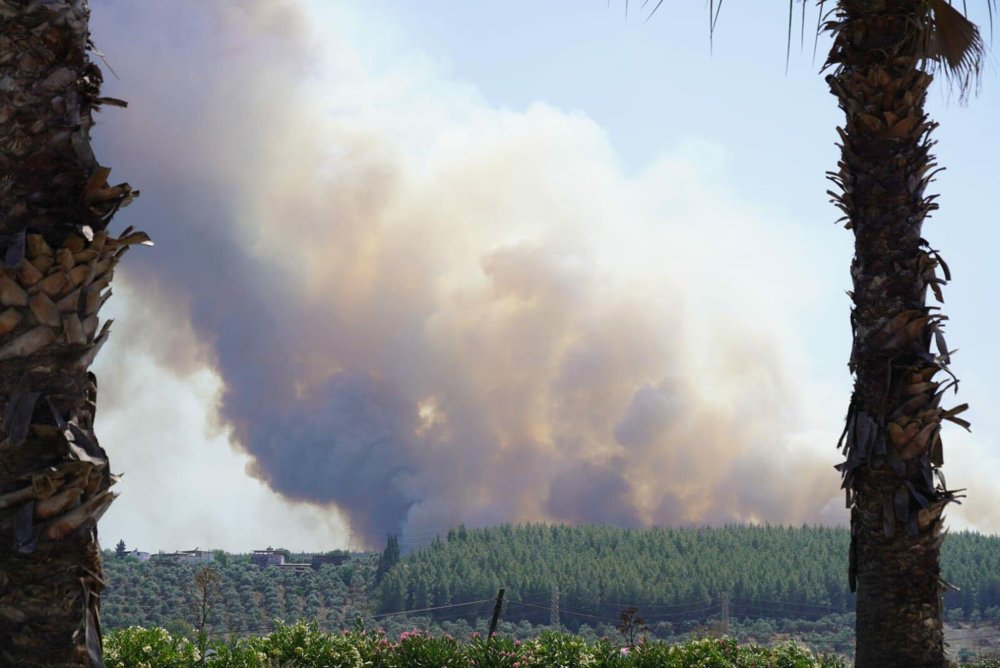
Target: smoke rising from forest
<point>427,311</point>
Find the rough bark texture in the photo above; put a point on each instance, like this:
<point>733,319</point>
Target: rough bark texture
<point>891,440</point>
<point>57,261</point>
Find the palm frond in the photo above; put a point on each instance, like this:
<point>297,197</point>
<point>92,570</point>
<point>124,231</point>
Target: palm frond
<point>788,41</point>
<point>714,7</point>
<point>989,8</point>
<point>712,20</point>
<point>802,28</point>
<point>819,27</point>
<point>955,45</point>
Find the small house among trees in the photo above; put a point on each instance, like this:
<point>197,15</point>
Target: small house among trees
<point>195,556</point>
<point>268,557</point>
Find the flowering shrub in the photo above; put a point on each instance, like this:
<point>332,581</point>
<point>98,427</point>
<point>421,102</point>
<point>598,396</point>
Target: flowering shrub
<point>496,652</point>
<point>556,649</point>
<point>303,645</point>
<point>235,655</point>
<point>417,649</point>
<point>136,647</point>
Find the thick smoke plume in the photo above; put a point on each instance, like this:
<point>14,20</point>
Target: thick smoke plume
<point>426,311</point>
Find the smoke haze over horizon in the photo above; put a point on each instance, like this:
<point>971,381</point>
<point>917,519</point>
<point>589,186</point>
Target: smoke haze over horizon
<point>400,307</point>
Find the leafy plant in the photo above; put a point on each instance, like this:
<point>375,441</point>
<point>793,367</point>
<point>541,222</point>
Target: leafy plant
<point>303,644</point>
<point>418,649</point>
<point>137,647</point>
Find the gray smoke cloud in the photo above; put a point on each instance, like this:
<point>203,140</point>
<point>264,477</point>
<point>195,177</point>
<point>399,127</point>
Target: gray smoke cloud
<point>424,311</point>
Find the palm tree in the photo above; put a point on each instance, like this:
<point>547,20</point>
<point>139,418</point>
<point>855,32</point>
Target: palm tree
<point>57,263</point>
<point>884,55</point>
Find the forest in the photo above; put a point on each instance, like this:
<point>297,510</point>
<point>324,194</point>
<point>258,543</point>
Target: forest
<point>580,576</point>
<point>668,574</point>
<point>247,598</point>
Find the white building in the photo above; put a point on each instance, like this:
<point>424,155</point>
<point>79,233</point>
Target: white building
<point>194,556</point>
<point>197,556</point>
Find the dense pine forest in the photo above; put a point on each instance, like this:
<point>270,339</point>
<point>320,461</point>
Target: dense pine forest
<point>580,577</point>
<point>772,572</point>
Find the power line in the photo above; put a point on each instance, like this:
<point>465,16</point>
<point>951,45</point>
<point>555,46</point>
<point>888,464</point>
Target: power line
<point>802,604</point>
<point>564,611</point>
<point>699,612</point>
<point>384,615</point>
<point>437,607</point>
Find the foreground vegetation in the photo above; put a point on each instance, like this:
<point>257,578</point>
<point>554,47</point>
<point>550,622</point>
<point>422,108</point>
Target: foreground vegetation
<point>303,645</point>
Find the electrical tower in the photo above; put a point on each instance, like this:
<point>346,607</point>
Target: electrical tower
<point>725,612</point>
<point>554,608</point>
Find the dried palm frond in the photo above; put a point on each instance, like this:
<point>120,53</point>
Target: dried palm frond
<point>954,44</point>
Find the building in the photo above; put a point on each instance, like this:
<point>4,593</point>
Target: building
<point>166,556</point>
<point>141,556</point>
<point>268,557</point>
<point>194,556</point>
<point>197,556</point>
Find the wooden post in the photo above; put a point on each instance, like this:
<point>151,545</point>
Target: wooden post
<point>496,615</point>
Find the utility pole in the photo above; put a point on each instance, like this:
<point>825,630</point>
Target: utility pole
<point>496,615</point>
<point>554,608</point>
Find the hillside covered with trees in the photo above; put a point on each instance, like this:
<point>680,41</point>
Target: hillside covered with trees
<point>769,579</point>
<point>593,572</point>
<point>245,597</point>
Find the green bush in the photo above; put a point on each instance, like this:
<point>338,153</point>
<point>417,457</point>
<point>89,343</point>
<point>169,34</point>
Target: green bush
<point>556,649</point>
<point>237,654</point>
<point>420,650</point>
<point>303,644</point>
<point>497,652</point>
<point>136,647</point>
<point>703,653</point>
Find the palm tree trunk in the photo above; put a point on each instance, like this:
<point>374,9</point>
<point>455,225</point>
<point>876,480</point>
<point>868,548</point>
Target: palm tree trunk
<point>893,446</point>
<point>56,261</point>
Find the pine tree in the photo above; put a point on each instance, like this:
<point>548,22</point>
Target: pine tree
<point>389,557</point>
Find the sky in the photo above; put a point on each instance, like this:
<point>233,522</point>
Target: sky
<point>422,264</point>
